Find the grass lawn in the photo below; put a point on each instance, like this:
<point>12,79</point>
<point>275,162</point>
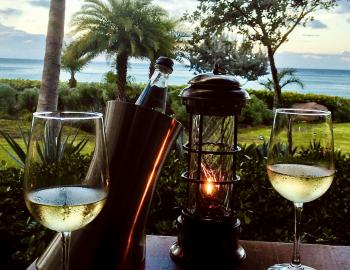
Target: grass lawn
<point>341,133</point>
<point>245,136</point>
<point>13,128</point>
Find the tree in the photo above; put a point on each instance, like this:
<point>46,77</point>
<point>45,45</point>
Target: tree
<point>269,22</point>
<point>122,28</point>
<point>285,76</point>
<point>48,94</point>
<point>238,58</point>
<point>73,61</point>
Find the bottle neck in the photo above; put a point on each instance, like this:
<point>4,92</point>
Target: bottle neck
<point>159,79</point>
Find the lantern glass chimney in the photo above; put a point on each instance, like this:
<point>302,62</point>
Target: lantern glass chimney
<point>210,192</point>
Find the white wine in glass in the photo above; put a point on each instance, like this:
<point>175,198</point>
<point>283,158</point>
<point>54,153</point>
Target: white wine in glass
<point>300,164</point>
<point>66,173</point>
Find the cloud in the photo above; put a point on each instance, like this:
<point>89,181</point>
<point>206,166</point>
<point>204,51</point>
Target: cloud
<point>314,60</point>
<point>343,6</point>
<point>177,7</point>
<point>9,31</point>
<point>16,43</point>
<point>40,3</point>
<point>315,24</point>
<point>348,20</point>
<point>10,12</point>
<point>311,35</point>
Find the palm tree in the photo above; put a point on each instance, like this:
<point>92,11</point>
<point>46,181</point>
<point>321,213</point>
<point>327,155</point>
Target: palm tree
<point>122,28</point>
<point>73,61</point>
<point>48,94</point>
<point>285,76</point>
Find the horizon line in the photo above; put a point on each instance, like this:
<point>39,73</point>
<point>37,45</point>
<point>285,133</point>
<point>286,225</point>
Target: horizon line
<point>179,63</point>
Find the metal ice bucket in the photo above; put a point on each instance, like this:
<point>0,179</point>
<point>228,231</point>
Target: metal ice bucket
<point>138,141</point>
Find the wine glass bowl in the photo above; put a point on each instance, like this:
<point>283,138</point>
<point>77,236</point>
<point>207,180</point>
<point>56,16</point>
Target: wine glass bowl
<point>300,164</point>
<point>66,173</point>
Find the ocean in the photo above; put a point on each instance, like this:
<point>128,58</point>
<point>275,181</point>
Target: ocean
<point>319,81</point>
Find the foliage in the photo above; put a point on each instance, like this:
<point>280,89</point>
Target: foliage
<point>28,99</point>
<point>7,98</point>
<point>122,29</point>
<point>285,76</point>
<point>340,107</point>
<point>168,198</point>
<point>268,22</point>
<point>325,219</point>
<point>22,238</point>
<point>53,146</point>
<point>21,84</point>
<point>18,153</point>
<point>256,113</point>
<point>239,58</point>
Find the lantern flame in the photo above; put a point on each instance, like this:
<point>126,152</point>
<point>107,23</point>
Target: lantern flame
<point>210,178</point>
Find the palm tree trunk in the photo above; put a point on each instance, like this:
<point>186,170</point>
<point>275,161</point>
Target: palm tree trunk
<point>48,95</point>
<point>72,81</point>
<point>277,100</point>
<point>151,68</point>
<point>122,66</point>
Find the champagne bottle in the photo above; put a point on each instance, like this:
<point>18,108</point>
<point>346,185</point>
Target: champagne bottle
<point>155,93</point>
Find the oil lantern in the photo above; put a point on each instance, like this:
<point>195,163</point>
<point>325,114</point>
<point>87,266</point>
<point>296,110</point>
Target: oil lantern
<point>208,228</point>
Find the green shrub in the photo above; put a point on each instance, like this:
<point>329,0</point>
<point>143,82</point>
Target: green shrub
<point>325,220</point>
<point>339,106</point>
<point>90,96</point>
<point>28,99</point>
<point>264,214</point>
<point>175,106</point>
<point>22,238</point>
<point>7,98</point>
<point>25,115</point>
<point>109,92</point>
<point>20,84</point>
<point>256,112</point>
<point>110,77</point>
<point>68,99</point>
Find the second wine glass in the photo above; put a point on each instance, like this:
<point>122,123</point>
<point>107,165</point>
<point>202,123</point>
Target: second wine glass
<point>66,172</point>
<point>300,163</point>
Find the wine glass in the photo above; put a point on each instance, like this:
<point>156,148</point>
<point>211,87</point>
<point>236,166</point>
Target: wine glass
<point>66,171</point>
<point>300,163</point>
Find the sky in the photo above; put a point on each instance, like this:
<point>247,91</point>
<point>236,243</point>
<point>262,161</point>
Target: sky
<point>324,43</point>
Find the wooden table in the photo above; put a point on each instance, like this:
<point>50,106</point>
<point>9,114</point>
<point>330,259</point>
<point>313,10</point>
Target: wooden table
<point>260,255</point>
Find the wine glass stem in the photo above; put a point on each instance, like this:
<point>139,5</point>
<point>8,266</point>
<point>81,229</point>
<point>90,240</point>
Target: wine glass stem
<point>298,208</point>
<point>65,247</point>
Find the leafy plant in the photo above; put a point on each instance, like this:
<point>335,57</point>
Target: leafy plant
<point>19,155</point>
<point>7,98</point>
<point>285,76</point>
<point>255,112</point>
<point>28,98</point>
<point>54,146</point>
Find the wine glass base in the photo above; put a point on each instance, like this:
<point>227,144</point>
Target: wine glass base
<point>288,266</point>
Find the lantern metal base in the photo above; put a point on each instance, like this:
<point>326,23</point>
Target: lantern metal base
<point>207,242</point>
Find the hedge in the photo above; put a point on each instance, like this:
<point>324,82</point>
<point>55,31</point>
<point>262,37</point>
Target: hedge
<point>264,214</point>
<point>93,96</point>
<point>340,107</point>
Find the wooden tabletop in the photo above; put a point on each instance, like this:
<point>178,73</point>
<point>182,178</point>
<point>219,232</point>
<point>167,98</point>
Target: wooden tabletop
<point>260,255</point>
